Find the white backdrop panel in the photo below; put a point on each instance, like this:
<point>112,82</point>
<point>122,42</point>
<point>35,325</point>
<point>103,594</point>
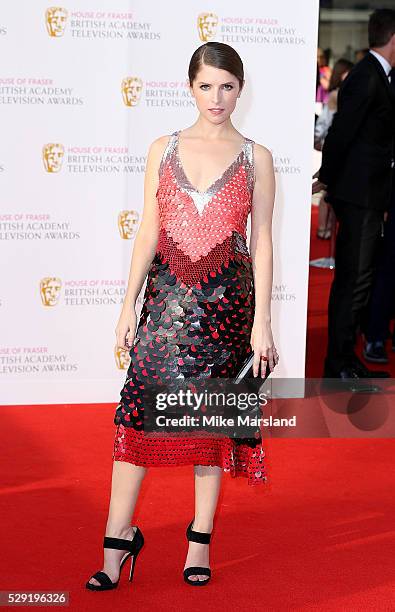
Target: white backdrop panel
<point>72,158</point>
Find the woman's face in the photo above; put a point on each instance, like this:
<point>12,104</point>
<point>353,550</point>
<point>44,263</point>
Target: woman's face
<point>321,58</point>
<point>216,92</point>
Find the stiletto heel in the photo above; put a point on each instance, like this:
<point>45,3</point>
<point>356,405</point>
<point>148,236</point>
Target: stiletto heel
<point>132,546</point>
<point>202,538</point>
<point>132,564</point>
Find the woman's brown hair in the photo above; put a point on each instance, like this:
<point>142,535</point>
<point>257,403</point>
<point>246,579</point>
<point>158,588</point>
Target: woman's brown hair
<point>342,65</point>
<point>218,55</point>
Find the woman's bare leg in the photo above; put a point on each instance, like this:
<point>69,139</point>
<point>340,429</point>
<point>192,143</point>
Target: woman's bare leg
<point>125,488</point>
<point>207,487</point>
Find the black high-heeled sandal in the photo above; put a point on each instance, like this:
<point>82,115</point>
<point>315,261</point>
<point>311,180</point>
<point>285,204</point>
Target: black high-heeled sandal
<point>201,538</point>
<point>133,546</point>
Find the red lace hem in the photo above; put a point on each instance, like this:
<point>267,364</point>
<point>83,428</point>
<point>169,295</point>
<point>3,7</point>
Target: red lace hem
<point>239,460</point>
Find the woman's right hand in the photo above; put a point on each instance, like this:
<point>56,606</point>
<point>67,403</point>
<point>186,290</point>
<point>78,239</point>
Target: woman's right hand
<point>126,329</point>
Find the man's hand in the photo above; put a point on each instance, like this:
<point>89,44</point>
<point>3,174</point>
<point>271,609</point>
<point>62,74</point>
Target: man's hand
<point>317,185</point>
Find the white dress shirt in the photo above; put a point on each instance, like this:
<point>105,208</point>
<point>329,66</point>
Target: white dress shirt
<point>385,63</point>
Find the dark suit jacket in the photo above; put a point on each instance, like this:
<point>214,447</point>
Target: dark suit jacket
<point>359,148</point>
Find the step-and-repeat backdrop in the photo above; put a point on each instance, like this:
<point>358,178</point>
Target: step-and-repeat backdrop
<point>84,89</point>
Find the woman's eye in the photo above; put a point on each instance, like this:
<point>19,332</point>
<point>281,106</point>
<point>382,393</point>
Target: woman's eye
<point>227,87</point>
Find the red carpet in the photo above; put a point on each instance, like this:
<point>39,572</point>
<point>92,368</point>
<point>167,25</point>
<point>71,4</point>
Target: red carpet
<point>319,536</point>
<point>319,286</point>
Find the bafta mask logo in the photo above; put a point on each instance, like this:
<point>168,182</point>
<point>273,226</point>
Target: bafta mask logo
<point>122,358</point>
<point>131,90</point>
<point>50,290</point>
<point>55,19</point>
<point>53,157</point>
<point>207,26</point>
<point>127,223</point>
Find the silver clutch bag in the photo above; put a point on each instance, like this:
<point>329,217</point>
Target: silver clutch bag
<point>245,371</point>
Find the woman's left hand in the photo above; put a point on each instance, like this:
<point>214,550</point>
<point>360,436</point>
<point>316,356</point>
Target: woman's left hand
<point>265,353</point>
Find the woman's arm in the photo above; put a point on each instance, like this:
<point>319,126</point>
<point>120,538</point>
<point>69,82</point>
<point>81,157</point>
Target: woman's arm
<point>325,77</point>
<point>261,249</point>
<point>332,100</point>
<point>145,244</point>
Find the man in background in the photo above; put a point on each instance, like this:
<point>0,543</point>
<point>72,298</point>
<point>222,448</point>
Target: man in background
<point>381,307</point>
<point>356,171</point>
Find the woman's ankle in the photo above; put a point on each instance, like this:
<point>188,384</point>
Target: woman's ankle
<point>119,531</point>
<point>200,524</point>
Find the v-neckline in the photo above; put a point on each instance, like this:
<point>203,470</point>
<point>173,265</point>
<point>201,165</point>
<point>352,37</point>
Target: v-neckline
<point>217,180</point>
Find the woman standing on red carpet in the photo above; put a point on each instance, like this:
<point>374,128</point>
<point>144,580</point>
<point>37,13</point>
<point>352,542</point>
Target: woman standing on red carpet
<point>206,304</point>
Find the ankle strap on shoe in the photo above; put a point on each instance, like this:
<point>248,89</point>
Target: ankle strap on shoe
<point>119,543</point>
<point>198,536</point>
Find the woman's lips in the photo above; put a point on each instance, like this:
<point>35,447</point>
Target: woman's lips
<point>216,111</point>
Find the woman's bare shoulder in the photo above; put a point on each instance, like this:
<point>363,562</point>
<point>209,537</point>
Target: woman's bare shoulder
<point>262,155</point>
<point>158,145</point>
<point>332,99</point>
<point>161,141</point>
<point>157,149</point>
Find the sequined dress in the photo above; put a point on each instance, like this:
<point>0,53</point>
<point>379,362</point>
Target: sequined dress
<point>197,312</point>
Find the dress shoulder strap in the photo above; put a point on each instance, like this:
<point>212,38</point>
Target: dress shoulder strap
<point>250,163</point>
<point>168,151</point>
